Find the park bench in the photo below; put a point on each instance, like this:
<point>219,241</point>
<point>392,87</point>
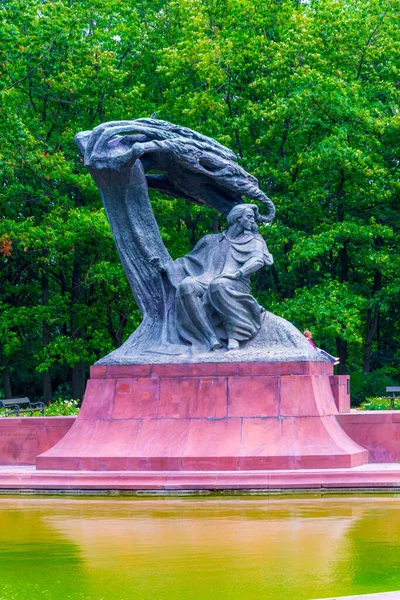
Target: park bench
<point>394,390</point>
<point>13,406</point>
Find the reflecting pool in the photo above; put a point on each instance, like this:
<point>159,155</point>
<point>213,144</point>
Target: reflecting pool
<point>198,548</point>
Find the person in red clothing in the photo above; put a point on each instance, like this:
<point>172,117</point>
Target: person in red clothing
<point>309,336</point>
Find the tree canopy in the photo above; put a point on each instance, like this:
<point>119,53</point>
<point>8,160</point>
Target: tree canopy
<point>306,93</point>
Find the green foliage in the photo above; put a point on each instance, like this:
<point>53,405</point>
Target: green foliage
<point>306,94</point>
<point>62,408</point>
<point>369,385</point>
<point>380,403</point>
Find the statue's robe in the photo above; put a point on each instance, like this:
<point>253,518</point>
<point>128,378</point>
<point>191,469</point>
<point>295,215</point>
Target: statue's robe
<point>209,305</point>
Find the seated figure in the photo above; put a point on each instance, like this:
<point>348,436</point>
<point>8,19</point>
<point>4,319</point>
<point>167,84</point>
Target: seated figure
<point>213,300</point>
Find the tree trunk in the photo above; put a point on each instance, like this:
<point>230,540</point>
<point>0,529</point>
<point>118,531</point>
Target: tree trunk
<point>78,380</point>
<point>47,391</point>
<point>6,376</point>
<point>341,346</point>
<point>343,264</point>
<point>215,223</point>
<point>136,236</point>
<point>77,332</point>
<point>372,327</point>
<point>138,239</point>
<point>372,324</point>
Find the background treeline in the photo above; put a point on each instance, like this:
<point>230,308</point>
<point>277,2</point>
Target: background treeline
<point>306,93</point>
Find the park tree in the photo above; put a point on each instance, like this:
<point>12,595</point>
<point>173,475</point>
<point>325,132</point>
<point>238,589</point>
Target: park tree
<point>307,96</point>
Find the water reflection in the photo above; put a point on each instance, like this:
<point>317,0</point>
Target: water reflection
<point>198,548</point>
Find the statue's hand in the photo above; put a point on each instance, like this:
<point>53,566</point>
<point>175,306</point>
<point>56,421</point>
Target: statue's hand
<point>236,275</point>
<point>157,263</point>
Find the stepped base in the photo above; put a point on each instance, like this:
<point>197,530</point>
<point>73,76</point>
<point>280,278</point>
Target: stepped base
<point>206,417</point>
<point>366,477</point>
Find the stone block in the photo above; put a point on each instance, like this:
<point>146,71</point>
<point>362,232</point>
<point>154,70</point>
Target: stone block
<point>136,398</point>
<point>253,396</point>
<point>340,385</point>
<point>193,397</point>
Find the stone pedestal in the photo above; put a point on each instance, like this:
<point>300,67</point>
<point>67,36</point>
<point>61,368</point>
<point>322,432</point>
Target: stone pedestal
<point>340,385</point>
<point>207,417</point>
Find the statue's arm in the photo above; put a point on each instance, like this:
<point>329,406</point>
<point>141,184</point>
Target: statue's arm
<point>191,265</point>
<point>173,270</point>
<point>262,257</point>
<point>255,263</point>
<point>268,259</point>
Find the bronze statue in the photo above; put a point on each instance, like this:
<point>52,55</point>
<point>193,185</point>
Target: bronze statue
<point>199,307</point>
<point>212,284</point>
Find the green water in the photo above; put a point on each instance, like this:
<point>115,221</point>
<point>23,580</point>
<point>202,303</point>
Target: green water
<point>197,548</point>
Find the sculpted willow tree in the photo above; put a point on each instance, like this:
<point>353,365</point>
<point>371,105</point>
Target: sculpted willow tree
<point>201,302</point>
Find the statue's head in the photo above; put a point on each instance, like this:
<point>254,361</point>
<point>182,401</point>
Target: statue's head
<point>245,215</point>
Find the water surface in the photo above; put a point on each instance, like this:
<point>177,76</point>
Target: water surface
<point>197,548</point>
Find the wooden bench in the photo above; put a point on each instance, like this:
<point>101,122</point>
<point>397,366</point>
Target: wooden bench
<point>393,389</point>
<point>12,406</point>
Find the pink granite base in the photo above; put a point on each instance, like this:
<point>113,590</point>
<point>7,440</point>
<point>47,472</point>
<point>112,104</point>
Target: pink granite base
<point>377,431</point>
<point>22,439</point>
<point>207,417</point>
<point>366,477</point>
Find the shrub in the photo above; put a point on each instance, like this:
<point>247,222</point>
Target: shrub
<point>62,408</point>
<point>59,408</point>
<point>369,385</point>
<point>380,403</point>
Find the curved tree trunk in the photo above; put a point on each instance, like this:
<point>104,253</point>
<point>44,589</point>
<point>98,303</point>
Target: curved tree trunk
<point>137,238</point>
